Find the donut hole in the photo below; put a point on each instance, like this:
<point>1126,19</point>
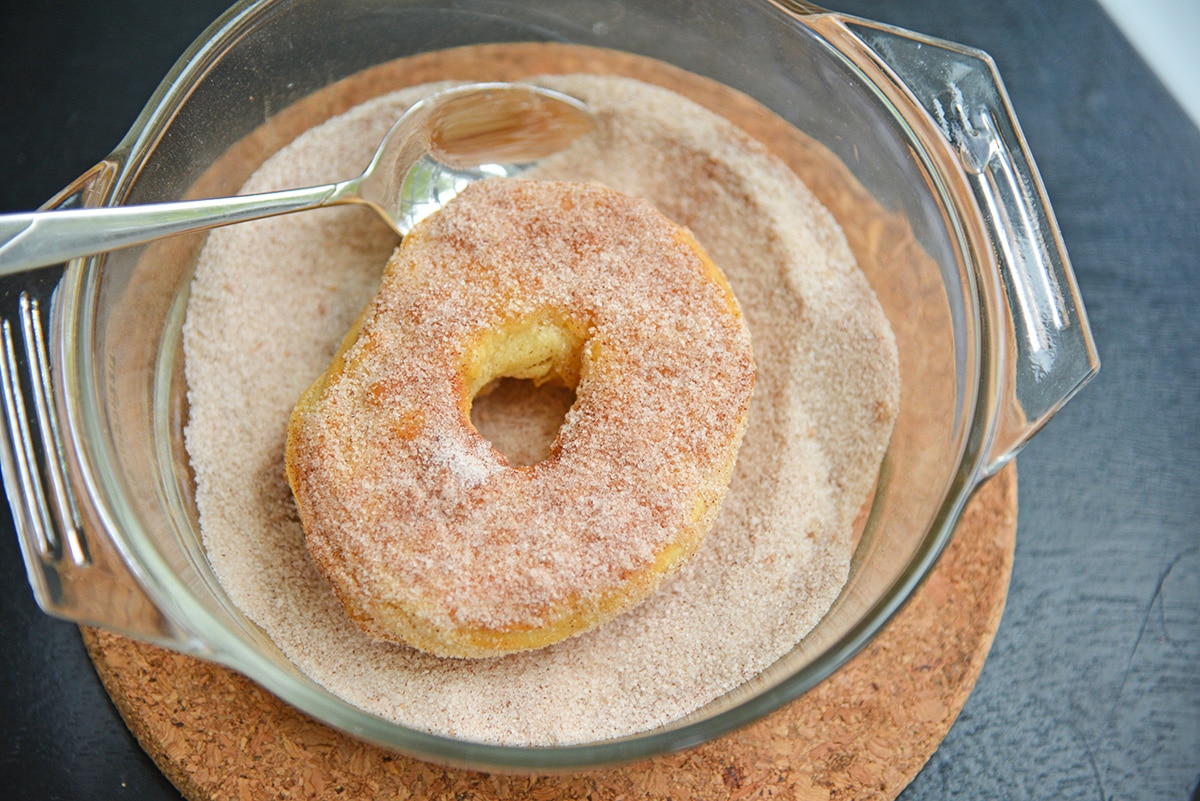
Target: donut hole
<point>521,380</point>
<point>522,419</point>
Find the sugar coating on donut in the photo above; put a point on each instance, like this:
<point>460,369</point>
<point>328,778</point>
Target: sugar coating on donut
<point>427,534</point>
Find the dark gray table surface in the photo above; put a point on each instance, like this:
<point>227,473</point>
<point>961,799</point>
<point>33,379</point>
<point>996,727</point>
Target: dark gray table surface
<point>1092,689</point>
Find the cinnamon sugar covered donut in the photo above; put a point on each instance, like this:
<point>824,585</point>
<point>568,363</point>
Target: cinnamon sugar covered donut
<point>428,536</point>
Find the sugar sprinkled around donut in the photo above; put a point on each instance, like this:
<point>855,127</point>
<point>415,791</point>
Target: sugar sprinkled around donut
<point>269,307</point>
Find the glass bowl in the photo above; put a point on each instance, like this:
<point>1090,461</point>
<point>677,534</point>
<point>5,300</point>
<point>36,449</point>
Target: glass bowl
<point>992,335</point>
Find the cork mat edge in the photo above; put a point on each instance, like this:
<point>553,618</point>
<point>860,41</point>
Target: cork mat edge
<point>863,733</point>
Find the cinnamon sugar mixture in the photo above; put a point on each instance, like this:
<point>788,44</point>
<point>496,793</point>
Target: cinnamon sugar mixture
<point>272,300</point>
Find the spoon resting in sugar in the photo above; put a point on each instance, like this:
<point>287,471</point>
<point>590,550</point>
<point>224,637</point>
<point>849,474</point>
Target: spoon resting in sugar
<point>437,147</point>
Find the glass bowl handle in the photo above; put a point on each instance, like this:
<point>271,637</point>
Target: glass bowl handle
<point>1054,353</point>
<point>75,570</point>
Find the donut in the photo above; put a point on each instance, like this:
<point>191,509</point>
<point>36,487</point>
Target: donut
<point>424,531</point>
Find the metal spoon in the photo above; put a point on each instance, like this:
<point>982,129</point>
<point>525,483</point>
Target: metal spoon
<point>434,150</point>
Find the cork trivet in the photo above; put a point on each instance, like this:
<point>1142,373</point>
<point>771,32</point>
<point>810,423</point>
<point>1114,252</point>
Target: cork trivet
<point>863,733</point>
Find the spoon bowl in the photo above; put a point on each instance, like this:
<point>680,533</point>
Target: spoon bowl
<point>436,148</point>
<point>460,135</point>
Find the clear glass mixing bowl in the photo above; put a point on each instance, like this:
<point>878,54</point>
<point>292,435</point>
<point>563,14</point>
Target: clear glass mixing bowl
<point>991,332</point>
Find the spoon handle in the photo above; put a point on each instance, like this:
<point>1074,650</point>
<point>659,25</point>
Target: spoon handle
<point>40,238</point>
